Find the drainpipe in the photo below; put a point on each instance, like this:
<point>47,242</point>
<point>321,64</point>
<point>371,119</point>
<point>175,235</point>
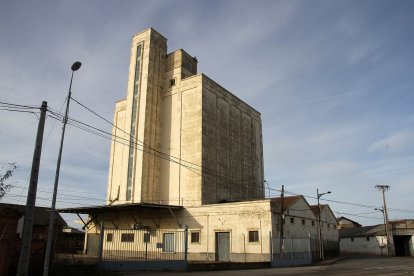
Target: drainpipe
<point>208,234</point>
<point>261,242</point>
<point>186,248</point>
<point>244,245</point>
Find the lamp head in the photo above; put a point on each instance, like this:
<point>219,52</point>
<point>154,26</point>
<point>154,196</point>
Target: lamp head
<point>76,66</point>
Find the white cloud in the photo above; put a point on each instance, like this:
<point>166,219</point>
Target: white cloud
<point>329,80</point>
<point>401,142</point>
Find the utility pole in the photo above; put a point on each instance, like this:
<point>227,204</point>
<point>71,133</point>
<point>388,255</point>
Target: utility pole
<point>384,188</point>
<point>282,219</point>
<point>385,225</point>
<point>321,255</point>
<point>24,257</point>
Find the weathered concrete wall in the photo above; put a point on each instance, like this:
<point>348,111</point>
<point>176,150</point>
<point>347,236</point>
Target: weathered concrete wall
<point>300,221</point>
<point>236,218</point>
<point>180,182</point>
<point>119,150</point>
<point>364,245</point>
<point>329,225</point>
<point>232,147</point>
<point>194,142</point>
<point>146,142</point>
<point>181,60</point>
<point>154,66</point>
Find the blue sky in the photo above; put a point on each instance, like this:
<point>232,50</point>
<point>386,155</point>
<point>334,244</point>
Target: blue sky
<point>333,81</point>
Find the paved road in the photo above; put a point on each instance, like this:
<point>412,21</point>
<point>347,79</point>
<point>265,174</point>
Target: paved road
<point>382,266</point>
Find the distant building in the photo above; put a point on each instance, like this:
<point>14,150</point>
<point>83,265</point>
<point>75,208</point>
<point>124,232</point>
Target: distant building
<point>363,240</point>
<point>344,222</point>
<point>402,233</point>
<point>373,239</point>
<point>11,228</point>
<point>329,228</point>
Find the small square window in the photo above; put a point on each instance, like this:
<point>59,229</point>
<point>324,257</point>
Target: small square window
<point>172,82</point>
<point>303,222</point>
<point>195,237</point>
<point>352,239</point>
<point>127,237</point>
<point>109,237</point>
<point>292,220</point>
<point>367,238</point>
<point>254,236</point>
<point>313,223</point>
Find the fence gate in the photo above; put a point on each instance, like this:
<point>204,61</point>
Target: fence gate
<point>93,244</point>
<point>130,249</point>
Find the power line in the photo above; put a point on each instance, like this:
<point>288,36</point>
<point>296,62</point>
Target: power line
<point>19,105</point>
<point>62,194</point>
<point>178,160</point>
<point>358,215</point>
<point>147,149</point>
<point>209,172</point>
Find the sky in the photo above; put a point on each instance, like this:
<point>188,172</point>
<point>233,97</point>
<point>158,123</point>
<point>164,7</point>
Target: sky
<point>333,81</point>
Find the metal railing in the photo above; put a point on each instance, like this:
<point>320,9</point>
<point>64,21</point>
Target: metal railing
<point>144,245</point>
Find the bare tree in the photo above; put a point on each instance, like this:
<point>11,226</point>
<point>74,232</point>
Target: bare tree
<point>4,176</point>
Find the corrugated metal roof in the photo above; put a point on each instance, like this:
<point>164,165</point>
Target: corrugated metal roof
<point>366,231</point>
<point>117,208</point>
<point>41,214</point>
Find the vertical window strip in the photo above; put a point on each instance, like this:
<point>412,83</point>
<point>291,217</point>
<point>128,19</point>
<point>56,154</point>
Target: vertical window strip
<point>133,124</point>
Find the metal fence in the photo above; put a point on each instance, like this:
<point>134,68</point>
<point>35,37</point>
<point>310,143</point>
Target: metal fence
<point>143,249</point>
<point>294,251</point>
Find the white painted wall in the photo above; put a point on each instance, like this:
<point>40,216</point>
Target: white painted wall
<point>375,245</point>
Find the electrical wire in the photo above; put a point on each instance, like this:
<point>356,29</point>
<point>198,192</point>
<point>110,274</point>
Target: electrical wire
<point>148,149</point>
<point>212,172</point>
<point>115,138</point>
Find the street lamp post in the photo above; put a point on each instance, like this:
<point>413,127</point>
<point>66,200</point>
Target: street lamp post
<point>75,67</point>
<point>321,255</point>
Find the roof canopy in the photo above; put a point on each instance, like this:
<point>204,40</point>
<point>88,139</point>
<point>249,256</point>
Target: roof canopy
<point>119,208</point>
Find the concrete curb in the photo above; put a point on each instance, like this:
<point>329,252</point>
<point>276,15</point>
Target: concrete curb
<point>332,261</point>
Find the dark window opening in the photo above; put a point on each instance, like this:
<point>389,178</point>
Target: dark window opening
<point>254,236</point>
<point>109,237</point>
<point>127,237</point>
<point>195,237</point>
